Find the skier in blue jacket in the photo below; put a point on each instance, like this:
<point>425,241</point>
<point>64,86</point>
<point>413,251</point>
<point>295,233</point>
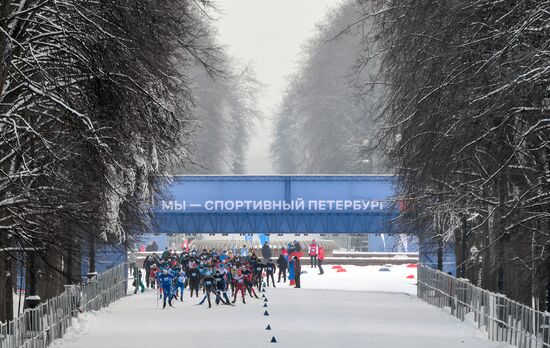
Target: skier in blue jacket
<point>180,285</point>
<point>166,279</point>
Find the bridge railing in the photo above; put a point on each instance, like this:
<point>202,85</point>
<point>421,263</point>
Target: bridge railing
<point>502,319</point>
<point>40,326</point>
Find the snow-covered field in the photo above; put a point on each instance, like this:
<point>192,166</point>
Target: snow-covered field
<point>358,308</point>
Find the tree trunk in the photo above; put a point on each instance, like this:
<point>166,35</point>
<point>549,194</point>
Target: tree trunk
<point>32,273</point>
<point>501,186</point>
<point>6,286</point>
<point>91,254</point>
<point>464,246</point>
<point>439,254</point>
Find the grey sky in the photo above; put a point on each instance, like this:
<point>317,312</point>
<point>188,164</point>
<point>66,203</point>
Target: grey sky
<point>269,34</point>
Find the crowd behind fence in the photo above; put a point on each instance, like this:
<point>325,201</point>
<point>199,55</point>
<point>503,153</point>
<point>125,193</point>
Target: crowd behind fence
<point>504,320</point>
<point>40,326</point>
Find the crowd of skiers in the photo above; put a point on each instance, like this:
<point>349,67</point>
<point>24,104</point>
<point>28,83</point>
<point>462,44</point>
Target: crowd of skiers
<point>220,276</point>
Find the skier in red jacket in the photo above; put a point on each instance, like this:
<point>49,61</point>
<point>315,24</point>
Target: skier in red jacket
<point>238,281</point>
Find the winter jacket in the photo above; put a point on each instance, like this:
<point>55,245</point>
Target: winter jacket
<point>321,255</point>
<point>181,278</point>
<point>313,249</point>
<point>266,251</point>
<point>149,261</point>
<point>282,262</point>
<point>258,268</point>
<point>238,280</point>
<point>209,283</point>
<point>194,275</point>
<point>220,281</point>
<point>166,280</point>
<point>270,268</point>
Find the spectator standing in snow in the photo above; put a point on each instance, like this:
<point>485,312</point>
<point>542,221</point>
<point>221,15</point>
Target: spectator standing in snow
<point>282,264</point>
<point>313,254</point>
<point>291,272</point>
<point>297,271</point>
<point>320,259</point>
<point>149,261</point>
<point>266,252</point>
<point>297,246</point>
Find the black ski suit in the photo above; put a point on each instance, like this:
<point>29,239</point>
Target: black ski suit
<point>269,271</point>
<point>194,278</point>
<point>257,272</point>
<point>221,290</point>
<point>209,284</point>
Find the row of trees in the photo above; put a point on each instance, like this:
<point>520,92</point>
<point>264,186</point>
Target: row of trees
<point>465,123</point>
<point>323,126</point>
<point>459,96</point>
<point>224,109</point>
<point>96,98</point>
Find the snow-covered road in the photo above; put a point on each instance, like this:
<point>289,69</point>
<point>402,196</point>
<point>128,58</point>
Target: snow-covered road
<point>334,310</point>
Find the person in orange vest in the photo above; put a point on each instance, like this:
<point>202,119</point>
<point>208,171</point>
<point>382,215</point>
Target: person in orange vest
<point>313,254</point>
<point>320,259</point>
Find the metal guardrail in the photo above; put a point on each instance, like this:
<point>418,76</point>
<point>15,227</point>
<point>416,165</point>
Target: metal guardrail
<point>502,319</point>
<point>40,326</point>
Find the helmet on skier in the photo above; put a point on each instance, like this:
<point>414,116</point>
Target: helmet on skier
<point>165,272</point>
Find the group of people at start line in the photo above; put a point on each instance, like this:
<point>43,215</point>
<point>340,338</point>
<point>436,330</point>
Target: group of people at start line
<point>222,276</point>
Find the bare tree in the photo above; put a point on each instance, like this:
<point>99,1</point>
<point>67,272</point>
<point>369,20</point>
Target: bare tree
<point>324,125</point>
<point>465,126</point>
<point>93,103</point>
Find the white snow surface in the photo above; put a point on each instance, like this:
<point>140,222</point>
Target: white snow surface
<point>358,308</point>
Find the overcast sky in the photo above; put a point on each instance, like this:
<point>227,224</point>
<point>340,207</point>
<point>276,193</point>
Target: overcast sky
<point>268,34</point>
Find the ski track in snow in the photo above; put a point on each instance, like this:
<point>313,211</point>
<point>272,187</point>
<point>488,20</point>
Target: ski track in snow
<point>358,308</point>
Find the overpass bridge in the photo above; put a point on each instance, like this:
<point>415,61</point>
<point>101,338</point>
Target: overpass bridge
<point>315,204</point>
<point>283,204</point>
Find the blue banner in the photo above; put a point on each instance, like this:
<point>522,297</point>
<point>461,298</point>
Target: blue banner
<point>241,194</point>
<point>277,204</point>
